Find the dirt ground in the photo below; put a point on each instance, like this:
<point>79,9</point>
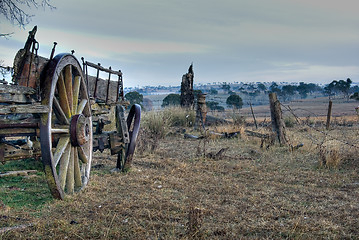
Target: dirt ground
<point>180,191</point>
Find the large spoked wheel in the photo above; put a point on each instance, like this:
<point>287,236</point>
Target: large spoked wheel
<point>66,131</point>
<point>124,158</point>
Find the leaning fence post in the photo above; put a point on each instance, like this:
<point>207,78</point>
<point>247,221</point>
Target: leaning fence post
<point>254,117</point>
<point>329,114</point>
<point>278,125</point>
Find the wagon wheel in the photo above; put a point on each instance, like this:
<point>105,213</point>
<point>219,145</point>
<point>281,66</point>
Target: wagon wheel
<point>66,131</point>
<point>124,158</point>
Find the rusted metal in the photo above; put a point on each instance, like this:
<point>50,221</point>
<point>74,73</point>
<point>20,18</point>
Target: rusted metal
<point>53,51</point>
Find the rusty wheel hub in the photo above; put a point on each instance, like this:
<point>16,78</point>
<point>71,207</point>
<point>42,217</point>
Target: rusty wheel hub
<point>79,130</point>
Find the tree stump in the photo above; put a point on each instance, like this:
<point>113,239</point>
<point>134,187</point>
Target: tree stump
<point>187,96</point>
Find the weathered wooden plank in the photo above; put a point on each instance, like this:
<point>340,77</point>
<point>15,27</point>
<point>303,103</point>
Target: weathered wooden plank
<point>15,89</point>
<point>23,108</point>
<point>11,153</point>
<point>15,98</point>
<point>12,132</point>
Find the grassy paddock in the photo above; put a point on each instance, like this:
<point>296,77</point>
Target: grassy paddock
<point>176,191</point>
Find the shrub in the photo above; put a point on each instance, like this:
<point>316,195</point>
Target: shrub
<point>289,122</point>
<point>180,117</point>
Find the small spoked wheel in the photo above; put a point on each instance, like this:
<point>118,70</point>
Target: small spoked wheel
<point>125,156</point>
<point>66,130</point>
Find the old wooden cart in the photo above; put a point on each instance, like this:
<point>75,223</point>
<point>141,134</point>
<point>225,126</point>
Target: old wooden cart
<point>56,111</point>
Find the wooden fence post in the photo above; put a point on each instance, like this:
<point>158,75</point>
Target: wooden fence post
<point>254,117</point>
<point>278,125</point>
<point>329,114</point>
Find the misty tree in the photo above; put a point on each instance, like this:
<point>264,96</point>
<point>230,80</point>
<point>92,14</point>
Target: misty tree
<point>234,101</point>
<point>213,91</point>
<point>171,100</point>
<point>226,87</point>
<point>213,105</point>
<point>134,98</point>
<point>338,86</point>
<point>261,87</point>
<point>288,91</point>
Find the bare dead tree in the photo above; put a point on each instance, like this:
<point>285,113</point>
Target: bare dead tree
<point>15,10</point>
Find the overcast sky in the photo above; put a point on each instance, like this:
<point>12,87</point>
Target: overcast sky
<point>153,42</point>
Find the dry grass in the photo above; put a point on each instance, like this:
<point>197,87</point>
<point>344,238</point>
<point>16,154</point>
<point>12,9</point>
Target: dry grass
<point>249,193</point>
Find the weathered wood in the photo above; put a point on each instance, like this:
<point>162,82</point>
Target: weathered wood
<point>18,227</point>
<point>17,173</point>
<point>278,125</point>
<point>64,102</point>
<point>116,143</point>
<point>101,90</point>
<point>201,112</point>
<point>70,179</point>
<point>99,67</point>
<point>68,85</point>
<point>81,106</point>
<point>64,164</point>
<point>77,171</point>
<point>23,108</point>
<point>16,89</point>
<point>15,98</point>
<point>76,91</point>
<point>61,116</point>
<point>257,134</point>
<point>329,114</point>
<point>82,155</point>
<point>60,148</point>
<point>15,132</point>
<point>10,153</point>
<point>254,117</point>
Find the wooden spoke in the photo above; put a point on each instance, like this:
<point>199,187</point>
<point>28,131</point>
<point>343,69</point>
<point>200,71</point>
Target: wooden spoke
<point>70,173</point>
<point>82,155</point>
<point>60,113</point>
<point>78,182</point>
<point>64,103</point>
<point>81,106</point>
<point>76,91</point>
<point>60,148</point>
<point>68,85</point>
<point>64,163</point>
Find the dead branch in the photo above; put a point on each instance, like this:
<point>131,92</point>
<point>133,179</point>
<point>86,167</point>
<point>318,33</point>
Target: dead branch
<point>17,173</point>
<point>18,227</point>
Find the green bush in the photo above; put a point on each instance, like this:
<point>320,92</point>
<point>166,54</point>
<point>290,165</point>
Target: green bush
<point>289,122</point>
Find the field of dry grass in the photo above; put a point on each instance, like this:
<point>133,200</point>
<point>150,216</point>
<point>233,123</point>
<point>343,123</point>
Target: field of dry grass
<point>177,191</point>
